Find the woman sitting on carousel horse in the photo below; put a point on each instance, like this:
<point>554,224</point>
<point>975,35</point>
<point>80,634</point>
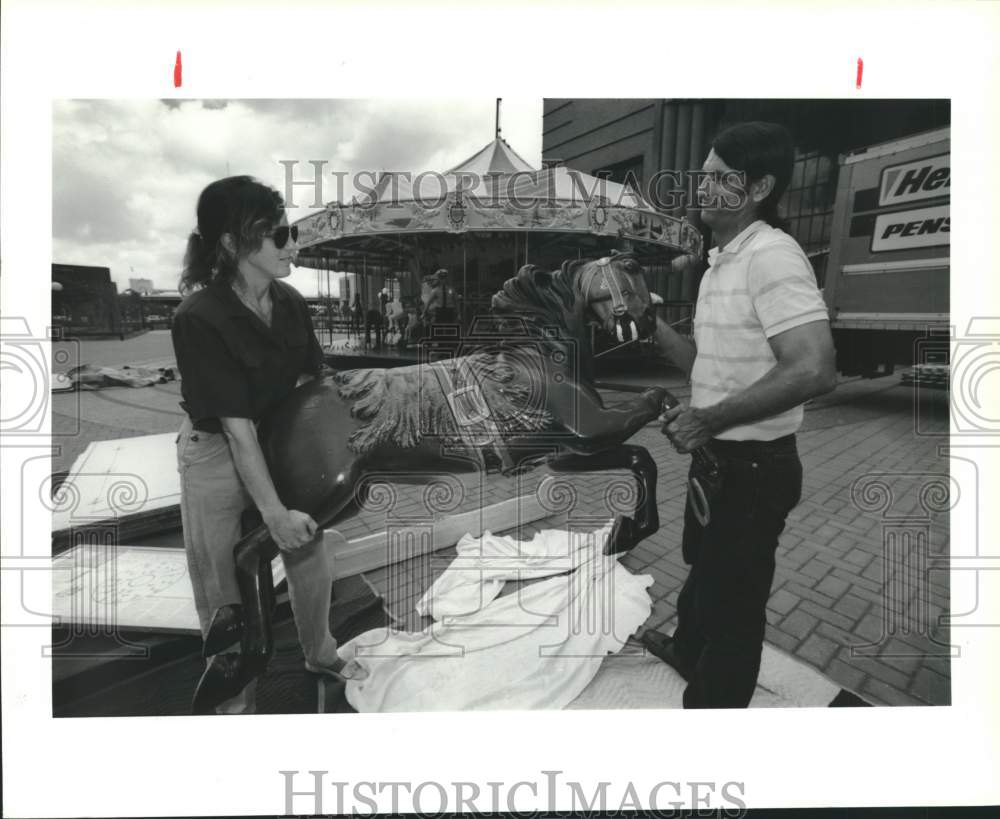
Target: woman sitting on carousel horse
<point>244,340</point>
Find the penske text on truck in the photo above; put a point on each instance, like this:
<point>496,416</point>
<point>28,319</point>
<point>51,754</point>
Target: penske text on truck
<point>888,272</point>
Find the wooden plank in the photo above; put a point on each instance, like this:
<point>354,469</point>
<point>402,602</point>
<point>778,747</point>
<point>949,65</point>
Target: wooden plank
<point>405,540</point>
<point>120,478</point>
<point>125,587</point>
<point>107,588</point>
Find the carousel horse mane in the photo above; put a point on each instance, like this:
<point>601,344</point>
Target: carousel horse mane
<point>403,405</point>
<point>543,299</point>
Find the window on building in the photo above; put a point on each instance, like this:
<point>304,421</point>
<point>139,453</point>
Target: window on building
<point>808,206</point>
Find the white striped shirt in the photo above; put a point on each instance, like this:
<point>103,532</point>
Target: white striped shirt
<point>760,284</point>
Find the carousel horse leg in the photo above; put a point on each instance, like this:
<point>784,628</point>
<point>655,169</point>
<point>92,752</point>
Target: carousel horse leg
<point>627,531</point>
<point>253,575</point>
<point>228,674</point>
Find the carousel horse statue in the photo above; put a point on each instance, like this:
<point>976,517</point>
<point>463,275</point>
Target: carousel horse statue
<point>397,318</point>
<point>434,307</point>
<point>523,396</point>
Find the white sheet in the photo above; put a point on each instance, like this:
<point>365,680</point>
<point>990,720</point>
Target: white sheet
<point>482,566</point>
<point>536,648</point>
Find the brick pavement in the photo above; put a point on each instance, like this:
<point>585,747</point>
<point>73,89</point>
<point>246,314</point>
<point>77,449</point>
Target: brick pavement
<point>851,595</point>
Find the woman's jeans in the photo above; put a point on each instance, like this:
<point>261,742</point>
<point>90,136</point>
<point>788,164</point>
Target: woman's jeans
<point>721,610</point>
<point>213,500</point>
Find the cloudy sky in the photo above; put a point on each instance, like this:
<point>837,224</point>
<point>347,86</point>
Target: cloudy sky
<point>127,173</point>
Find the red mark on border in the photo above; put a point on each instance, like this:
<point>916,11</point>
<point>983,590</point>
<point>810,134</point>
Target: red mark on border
<point>177,71</point>
<point>861,68</point>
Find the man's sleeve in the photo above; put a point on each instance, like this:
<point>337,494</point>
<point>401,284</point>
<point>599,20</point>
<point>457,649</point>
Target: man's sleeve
<point>213,381</point>
<point>783,289</point>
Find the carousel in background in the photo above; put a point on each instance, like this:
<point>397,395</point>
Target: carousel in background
<point>480,221</point>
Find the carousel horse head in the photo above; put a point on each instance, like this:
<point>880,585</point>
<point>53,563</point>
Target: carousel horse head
<point>616,296</point>
<point>610,292</point>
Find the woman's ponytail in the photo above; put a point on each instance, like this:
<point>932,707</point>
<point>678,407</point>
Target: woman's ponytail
<point>198,264</point>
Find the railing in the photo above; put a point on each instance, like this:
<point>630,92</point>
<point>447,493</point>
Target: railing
<point>678,314</point>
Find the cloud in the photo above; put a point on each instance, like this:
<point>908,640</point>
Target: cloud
<point>127,173</point>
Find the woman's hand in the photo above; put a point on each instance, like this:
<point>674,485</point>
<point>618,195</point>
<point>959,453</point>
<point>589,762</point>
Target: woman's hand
<point>290,528</point>
<point>654,396</point>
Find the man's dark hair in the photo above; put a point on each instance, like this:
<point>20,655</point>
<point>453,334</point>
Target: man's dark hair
<point>758,149</point>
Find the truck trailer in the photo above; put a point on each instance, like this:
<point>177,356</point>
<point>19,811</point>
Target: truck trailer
<point>887,281</point>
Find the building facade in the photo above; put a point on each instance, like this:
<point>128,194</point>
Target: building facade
<point>85,301</point>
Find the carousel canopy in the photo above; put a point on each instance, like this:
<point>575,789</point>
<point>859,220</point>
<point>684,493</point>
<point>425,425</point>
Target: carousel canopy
<point>495,158</point>
<point>493,191</point>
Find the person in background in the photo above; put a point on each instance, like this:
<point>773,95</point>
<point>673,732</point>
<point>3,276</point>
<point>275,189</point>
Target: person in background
<point>762,347</point>
<point>357,316</point>
<point>244,340</point>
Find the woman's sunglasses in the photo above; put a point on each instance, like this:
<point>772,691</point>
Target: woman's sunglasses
<point>280,235</point>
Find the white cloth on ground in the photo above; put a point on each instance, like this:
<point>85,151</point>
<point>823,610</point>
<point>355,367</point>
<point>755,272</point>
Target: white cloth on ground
<point>482,566</point>
<point>536,648</point>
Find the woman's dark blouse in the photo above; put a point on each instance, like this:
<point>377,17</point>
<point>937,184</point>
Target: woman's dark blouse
<point>232,364</point>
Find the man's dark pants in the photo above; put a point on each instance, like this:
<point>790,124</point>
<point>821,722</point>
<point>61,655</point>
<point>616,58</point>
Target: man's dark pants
<point>721,609</point>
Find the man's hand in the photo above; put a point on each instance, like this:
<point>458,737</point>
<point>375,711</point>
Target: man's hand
<point>290,529</point>
<point>686,428</point>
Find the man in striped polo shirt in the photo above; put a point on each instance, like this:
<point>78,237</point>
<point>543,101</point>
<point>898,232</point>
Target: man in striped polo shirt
<point>762,348</point>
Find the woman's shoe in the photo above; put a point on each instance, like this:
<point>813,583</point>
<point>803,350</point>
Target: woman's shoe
<point>341,670</point>
<point>225,630</point>
<point>224,677</point>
